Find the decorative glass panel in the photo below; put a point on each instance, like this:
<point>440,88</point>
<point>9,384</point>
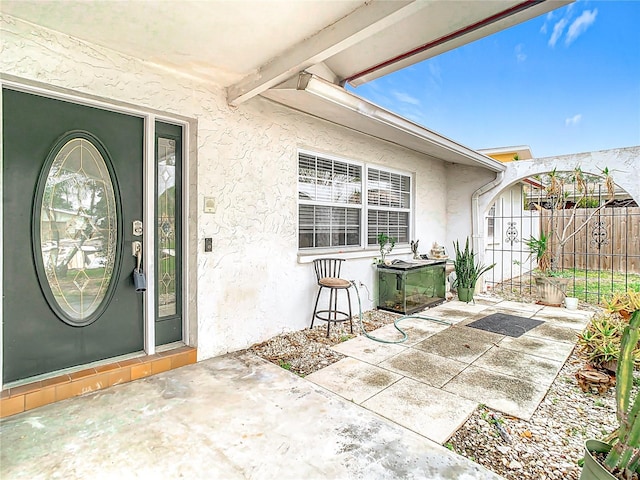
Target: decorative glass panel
<point>166,227</point>
<point>78,229</point>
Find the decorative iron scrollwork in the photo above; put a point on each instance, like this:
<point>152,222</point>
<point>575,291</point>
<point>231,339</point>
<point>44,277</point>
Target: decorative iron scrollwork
<point>599,235</point>
<point>512,233</point>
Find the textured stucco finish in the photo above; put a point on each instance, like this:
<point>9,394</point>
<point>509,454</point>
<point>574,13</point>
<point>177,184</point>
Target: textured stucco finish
<point>253,285</point>
<point>624,163</point>
<point>462,181</point>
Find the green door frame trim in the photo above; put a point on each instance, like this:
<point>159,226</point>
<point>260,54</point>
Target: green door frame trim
<point>148,187</point>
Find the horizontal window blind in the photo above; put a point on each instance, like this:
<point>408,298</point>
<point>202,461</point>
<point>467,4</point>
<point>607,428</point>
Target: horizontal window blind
<point>389,205</point>
<point>332,209</point>
<point>328,191</point>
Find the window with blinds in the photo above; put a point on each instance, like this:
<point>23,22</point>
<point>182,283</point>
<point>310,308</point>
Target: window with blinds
<point>332,210</point>
<point>388,205</point>
<point>330,202</point>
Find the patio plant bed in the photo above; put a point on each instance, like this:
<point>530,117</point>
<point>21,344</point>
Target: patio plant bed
<point>550,445</point>
<point>547,447</point>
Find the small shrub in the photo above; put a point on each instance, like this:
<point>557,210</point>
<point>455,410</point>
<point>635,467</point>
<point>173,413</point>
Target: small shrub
<point>600,341</point>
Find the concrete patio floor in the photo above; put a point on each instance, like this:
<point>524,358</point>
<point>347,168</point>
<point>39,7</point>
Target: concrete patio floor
<point>381,413</point>
<point>235,416</point>
<point>434,381</point>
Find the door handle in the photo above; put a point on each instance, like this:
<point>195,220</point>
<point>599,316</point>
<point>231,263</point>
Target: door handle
<point>136,251</point>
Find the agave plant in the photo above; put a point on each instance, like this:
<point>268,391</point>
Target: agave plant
<point>624,303</point>
<point>600,341</point>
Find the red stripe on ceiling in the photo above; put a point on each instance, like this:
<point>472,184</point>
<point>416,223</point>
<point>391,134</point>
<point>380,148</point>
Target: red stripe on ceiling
<point>458,33</point>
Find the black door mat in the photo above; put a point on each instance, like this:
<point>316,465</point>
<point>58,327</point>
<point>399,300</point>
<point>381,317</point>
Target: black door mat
<point>505,324</point>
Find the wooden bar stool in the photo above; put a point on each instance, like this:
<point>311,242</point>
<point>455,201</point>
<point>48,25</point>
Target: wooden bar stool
<point>328,276</point>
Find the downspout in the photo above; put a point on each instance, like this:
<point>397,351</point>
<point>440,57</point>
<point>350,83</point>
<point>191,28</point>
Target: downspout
<point>475,214</point>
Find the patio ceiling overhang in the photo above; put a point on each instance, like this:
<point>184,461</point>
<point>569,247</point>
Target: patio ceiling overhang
<point>320,98</point>
<point>250,46</point>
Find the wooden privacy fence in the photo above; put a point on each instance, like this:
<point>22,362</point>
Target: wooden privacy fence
<point>610,241</point>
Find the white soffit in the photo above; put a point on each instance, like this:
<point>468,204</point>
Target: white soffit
<point>249,46</point>
<point>322,99</point>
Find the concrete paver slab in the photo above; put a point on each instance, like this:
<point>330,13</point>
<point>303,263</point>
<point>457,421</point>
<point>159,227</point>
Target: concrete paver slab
<point>562,317</point>
<point>354,379</point>
<point>455,311</point>
<point>462,343</point>
<point>538,347</point>
<point>424,367</point>
<point>231,417</point>
<point>518,308</point>
<point>481,299</point>
<point>425,410</point>
<point>519,364</point>
<point>511,395</point>
<point>368,350</point>
<point>551,331</point>
<point>415,328</point>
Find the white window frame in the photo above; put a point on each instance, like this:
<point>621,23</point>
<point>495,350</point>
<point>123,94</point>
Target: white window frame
<point>409,210</point>
<point>363,249</point>
<point>494,239</point>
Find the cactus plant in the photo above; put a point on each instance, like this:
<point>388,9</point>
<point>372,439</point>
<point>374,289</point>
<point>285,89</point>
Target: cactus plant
<point>622,459</point>
<point>625,454</point>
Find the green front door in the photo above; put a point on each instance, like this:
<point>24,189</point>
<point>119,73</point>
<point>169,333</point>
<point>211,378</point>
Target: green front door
<point>72,189</point>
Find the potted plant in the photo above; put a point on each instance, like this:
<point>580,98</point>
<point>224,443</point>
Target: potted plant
<point>547,248</point>
<point>467,270</point>
<point>550,284</point>
<point>622,458</point>
<point>386,244</point>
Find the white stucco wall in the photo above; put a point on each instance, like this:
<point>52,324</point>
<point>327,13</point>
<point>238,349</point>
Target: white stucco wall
<point>624,163</point>
<point>462,181</point>
<point>253,285</point>
<point>498,250</point>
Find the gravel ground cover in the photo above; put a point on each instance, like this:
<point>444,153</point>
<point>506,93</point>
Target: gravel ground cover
<point>549,445</point>
<point>546,447</point>
<point>308,350</point>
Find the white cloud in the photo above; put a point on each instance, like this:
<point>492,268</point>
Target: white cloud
<point>520,55</point>
<point>573,120</point>
<point>580,25</point>
<point>405,98</point>
<point>436,72</point>
<point>548,18</point>
<point>558,28</point>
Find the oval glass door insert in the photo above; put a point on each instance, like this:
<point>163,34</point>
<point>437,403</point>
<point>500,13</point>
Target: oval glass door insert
<point>78,231</point>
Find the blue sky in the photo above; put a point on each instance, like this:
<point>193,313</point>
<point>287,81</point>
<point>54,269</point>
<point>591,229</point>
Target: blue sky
<point>565,82</point>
